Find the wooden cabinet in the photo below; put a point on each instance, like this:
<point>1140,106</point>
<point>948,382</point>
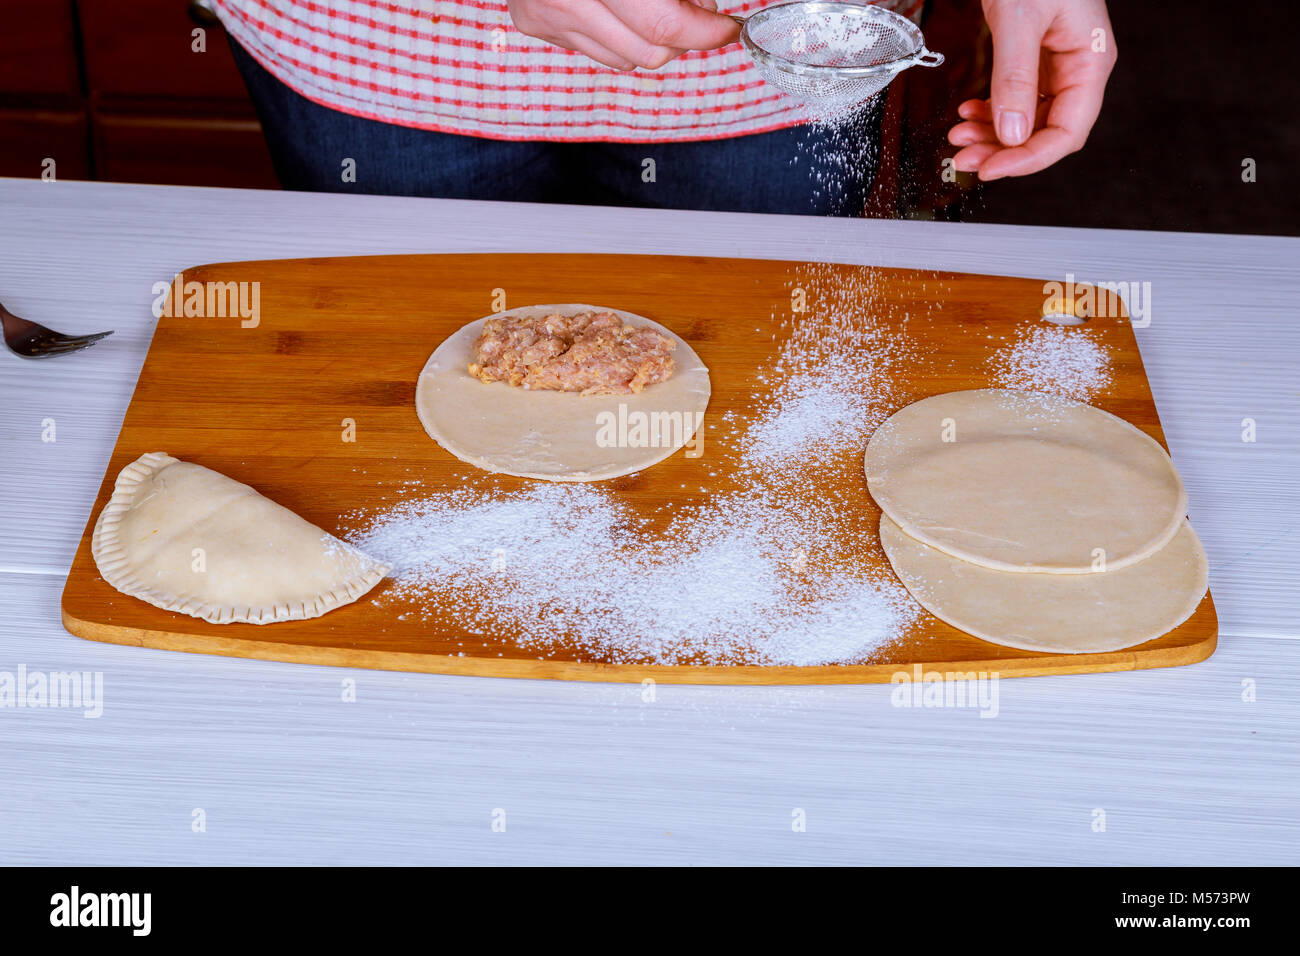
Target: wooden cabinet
<point>146,48</point>
<point>38,52</point>
<point>34,140</point>
<point>126,92</point>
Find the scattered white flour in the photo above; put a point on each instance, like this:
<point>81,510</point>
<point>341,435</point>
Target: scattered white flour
<point>1060,360</point>
<point>777,571</point>
<point>813,413</point>
<point>570,562</point>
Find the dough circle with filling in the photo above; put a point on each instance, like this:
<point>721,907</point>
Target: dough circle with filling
<point>554,435</point>
<point>1059,613</point>
<point>1022,481</point>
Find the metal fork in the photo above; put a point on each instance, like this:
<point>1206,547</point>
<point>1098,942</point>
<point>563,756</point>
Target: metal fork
<point>33,341</point>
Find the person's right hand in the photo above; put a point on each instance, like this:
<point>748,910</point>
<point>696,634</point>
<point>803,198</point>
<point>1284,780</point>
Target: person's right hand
<point>626,34</point>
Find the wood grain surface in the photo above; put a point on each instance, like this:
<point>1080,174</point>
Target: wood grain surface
<point>346,339</point>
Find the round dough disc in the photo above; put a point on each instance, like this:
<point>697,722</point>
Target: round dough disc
<point>1064,614</point>
<point>558,436</point>
<point>1026,481</point>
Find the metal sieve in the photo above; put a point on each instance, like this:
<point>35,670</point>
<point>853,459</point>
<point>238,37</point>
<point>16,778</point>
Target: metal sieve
<point>832,55</point>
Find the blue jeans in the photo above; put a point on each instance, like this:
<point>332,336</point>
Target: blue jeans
<point>806,170</point>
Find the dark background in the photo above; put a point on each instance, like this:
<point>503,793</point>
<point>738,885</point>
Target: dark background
<point>1198,87</point>
<point>112,90</point>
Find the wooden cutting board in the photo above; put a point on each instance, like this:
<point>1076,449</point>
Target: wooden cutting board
<point>346,339</point>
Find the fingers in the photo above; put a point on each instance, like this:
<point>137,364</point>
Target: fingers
<point>626,34</point>
<point>676,23</point>
<point>973,157</point>
<point>560,24</point>
<point>1018,31</point>
<point>1040,151</point>
<point>978,131</point>
<point>590,47</point>
<point>1068,121</point>
<point>605,29</point>
<point>1055,139</point>
<point>978,127</point>
<point>588,27</point>
<point>964,134</point>
<point>1075,108</point>
<point>981,111</point>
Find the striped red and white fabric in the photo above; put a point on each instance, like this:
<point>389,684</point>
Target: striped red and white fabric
<point>460,66</point>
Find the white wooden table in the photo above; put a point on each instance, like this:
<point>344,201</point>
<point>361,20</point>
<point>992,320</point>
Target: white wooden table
<point>1185,765</point>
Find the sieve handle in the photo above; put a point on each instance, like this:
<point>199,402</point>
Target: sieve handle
<point>929,58</point>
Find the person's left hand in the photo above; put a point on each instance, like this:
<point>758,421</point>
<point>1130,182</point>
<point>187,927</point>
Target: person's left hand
<point>1061,49</point>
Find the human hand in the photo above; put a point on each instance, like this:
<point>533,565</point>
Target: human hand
<point>626,34</point>
<point>1061,49</point>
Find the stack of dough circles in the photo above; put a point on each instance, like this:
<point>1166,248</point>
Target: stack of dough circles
<point>553,435</point>
<point>1062,613</point>
<point>1035,521</point>
<point>1024,481</point>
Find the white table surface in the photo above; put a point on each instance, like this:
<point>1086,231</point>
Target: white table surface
<point>1185,769</point>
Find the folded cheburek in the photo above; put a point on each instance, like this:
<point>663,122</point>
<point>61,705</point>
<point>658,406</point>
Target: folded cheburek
<point>185,538</point>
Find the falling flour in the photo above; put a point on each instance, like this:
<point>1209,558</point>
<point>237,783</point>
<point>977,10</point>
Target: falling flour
<point>1056,359</point>
<point>775,571</point>
<point>840,150</point>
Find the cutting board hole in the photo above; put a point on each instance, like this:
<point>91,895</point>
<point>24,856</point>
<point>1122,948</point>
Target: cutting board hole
<point>1064,318</point>
<point>1069,307</point>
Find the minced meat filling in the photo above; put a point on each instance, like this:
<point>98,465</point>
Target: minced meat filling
<point>594,353</point>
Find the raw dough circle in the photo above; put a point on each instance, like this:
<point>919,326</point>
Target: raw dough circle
<point>1027,481</point>
<point>1064,614</point>
<point>558,436</point>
